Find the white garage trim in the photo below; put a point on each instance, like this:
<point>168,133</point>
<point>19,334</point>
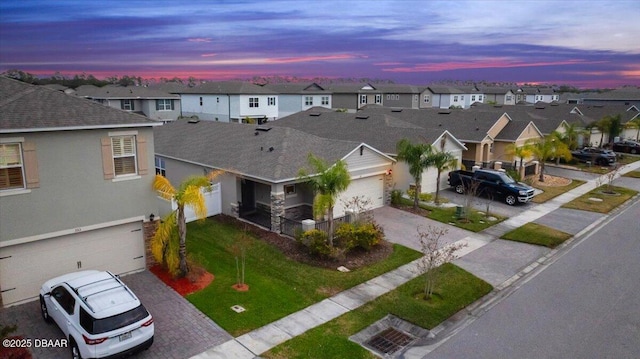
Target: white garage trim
<point>24,267</point>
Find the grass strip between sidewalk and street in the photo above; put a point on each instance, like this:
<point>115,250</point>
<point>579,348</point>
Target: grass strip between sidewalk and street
<point>550,192</point>
<point>602,199</point>
<point>278,286</point>
<point>534,233</point>
<point>632,174</point>
<point>455,290</point>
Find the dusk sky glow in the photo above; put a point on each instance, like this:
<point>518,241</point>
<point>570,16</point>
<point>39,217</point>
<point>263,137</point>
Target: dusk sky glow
<point>586,43</point>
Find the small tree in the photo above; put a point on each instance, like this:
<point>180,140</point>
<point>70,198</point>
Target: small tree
<point>433,255</point>
<point>239,250</point>
<point>327,182</point>
<point>520,152</point>
<point>471,192</point>
<point>611,176</point>
<point>442,161</point>
<point>418,158</point>
<point>549,147</point>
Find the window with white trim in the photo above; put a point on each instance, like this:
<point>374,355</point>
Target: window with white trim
<point>308,101</point>
<point>271,101</point>
<point>127,105</point>
<point>473,98</point>
<point>325,100</point>
<point>363,99</point>
<point>161,167</point>
<point>455,98</point>
<point>426,98</point>
<point>508,98</point>
<point>253,102</point>
<point>164,105</point>
<point>480,98</point>
<point>11,167</point>
<point>378,99</point>
<point>124,155</point>
<point>290,190</point>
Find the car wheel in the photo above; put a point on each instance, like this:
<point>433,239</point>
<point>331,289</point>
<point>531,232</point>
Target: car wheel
<point>44,311</point>
<point>633,151</point>
<point>510,200</point>
<point>75,352</point>
<point>459,189</point>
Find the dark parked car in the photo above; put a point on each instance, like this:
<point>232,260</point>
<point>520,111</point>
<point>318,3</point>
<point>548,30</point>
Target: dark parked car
<point>627,146</point>
<point>595,155</point>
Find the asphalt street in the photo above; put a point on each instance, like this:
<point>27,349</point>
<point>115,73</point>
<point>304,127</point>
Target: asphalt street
<point>582,304</point>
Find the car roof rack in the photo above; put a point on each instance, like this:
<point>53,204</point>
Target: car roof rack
<point>84,298</point>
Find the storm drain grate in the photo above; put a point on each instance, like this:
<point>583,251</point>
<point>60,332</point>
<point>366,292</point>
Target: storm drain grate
<point>389,341</point>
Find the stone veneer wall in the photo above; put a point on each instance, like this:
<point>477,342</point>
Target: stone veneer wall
<point>149,229</point>
<point>277,210</point>
<point>388,187</point>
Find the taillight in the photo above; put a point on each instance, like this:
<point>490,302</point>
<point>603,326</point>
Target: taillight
<point>89,341</point>
<point>148,322</point>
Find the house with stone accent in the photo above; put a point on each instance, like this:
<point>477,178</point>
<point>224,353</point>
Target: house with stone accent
<point>382,128</point>
<point>75,188</point>
<point>260,163</point>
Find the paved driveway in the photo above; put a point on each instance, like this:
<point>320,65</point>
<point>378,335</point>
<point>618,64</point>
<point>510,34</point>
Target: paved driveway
<point>400,227</point>
<point>181,330</point>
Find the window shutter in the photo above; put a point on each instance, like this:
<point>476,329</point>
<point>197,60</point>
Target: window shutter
<point>107,158</point>
<point>122,104</point>
<point>143,161</point>
<point>30,164</point>
<point>133,105</point>
<point>157,105</point>
<point>172,105</point>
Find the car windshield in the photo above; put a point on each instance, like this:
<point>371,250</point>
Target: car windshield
<point>506,178</point>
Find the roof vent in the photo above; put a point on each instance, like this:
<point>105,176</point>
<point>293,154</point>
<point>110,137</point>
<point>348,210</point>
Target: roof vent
<point>193,120</point>
<point>315,114</point>
<point>477,128</point>
<point>439,125</point>
<point>445,111</point>
<point>256,133</point>
<point>263,129</point>
<point>362,117</point>
<point>271,149</point>
<point>396,110</point>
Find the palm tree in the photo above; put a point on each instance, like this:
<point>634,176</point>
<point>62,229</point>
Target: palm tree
<point>615,126</point>
<point>189,194</point>
<point>520,152</point>
<point>418,158</point>
<point>327,182</point>
<point>571,134</point>
<point>442,161</point>
<point>549,147</point>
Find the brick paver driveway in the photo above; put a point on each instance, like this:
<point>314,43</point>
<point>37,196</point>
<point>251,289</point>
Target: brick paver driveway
<point>181,330</point>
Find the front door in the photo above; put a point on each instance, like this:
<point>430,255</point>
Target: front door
<point>248,190</point>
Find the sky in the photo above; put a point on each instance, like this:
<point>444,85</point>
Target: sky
<point>582,43</point>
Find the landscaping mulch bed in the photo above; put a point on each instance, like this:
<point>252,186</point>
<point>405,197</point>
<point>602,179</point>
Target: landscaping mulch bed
<point>296,251</point>
<point>196,280</point>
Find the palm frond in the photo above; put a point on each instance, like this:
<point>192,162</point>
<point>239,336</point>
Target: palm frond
<point>164,188</point>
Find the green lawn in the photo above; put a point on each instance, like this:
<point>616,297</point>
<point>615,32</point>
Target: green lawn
<point>608,201</point>
<point>455,290</point>
<point>632,174</point>
<point>475,221</point>
<point>552,192</point>
<point>537,234</point>
<point>278,285</point>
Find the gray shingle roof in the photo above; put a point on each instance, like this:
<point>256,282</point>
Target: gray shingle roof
<point>123,92</point>
<point>228,88</point>
<point>25,107</point>
<point>245,150</point>
<point>297,88</point>
<point>377,129</point>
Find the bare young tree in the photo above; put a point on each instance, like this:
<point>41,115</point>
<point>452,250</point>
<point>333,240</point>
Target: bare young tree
<point>611,176</point>
<point>471,192</point>
<point>434,256</point>
<point>361,207</point>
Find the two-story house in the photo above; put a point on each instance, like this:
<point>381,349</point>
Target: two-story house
<point>230,101</point>
<point>296,97</point>
<point>154,103</point>
<point>498,95</point>
<point>449,97</point>
<point>75,187</point>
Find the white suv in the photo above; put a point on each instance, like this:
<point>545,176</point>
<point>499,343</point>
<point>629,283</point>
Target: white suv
<point>98,314</point>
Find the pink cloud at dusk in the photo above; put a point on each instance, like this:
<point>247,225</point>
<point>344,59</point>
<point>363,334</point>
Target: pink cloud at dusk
<point>199,40</point>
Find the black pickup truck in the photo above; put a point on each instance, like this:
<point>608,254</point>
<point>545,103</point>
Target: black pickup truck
<point>491,183</point>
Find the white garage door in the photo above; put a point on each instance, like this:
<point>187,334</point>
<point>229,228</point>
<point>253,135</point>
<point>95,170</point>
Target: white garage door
<point>369,188</point>
<point>24,267</point>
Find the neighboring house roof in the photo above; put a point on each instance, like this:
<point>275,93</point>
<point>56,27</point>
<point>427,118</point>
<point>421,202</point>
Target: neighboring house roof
<point>620,94</point>
<point>228,88</point>
<point>274,154</point>
<point>30,108</point>
<point>445,90</point>
<point>351,88</point>
<point>57,87</point>
<point>380,130</point>
<point>598,112</point>
<point>123,92</point>
<point>297,88</point>
<point>495,90</point>
<point>512,131</point>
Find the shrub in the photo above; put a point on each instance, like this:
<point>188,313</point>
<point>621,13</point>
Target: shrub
<point>316,241</point>
<point>424,197</point>
<point>363,235</point>
<point>514,173</point>
<point>396,197</point>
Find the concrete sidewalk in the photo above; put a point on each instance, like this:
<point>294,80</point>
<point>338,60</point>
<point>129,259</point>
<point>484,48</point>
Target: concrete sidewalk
<point>256,342</point>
